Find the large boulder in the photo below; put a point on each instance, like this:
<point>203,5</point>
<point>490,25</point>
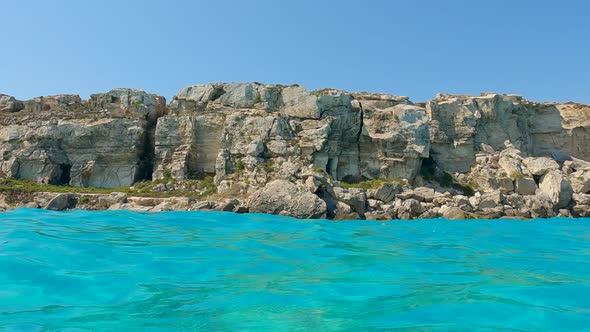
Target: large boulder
<point>452,213</point>
<point>409,209</point>
<point>10,104</point>
<point>510,162</point>
<point>61,202</point>
<point>491,200</point>
<point>526,186</point>
<point>344,211</point>
<point>540,165</point>
<point>354,197</point>
<point>557,188</point>
<point>581,199</point>
<point>422,194</point>
<point>387,191</point>
<point>539,205</point>
<point>580,181</point>
<point>285,198</point>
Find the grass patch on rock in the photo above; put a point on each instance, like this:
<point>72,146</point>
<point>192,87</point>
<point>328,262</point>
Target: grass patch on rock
<point>141,189</point>
<point>370,183</point>
<point>430,172</point>
<point>517,175</point>
<point>316,169</point>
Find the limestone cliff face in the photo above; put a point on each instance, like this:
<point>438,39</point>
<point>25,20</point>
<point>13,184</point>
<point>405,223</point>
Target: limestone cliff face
<point>223,129</point>
<point>252,133</point>
<point>460,124</point>
<point>103,142</point>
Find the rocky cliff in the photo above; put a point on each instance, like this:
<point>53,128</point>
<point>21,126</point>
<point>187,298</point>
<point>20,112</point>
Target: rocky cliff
<point>326,153</point>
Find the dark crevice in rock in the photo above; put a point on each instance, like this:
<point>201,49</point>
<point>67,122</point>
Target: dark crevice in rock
<point>148,150</point>
<point>64,177</point>
<point>323,193</point>
<point>146,157</point>
<point>358,137</point>
<point>362,115</point>
<point>269,131</point>
<point>217,94</point>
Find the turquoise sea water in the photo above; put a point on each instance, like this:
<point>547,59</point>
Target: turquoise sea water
<point>195,271</point>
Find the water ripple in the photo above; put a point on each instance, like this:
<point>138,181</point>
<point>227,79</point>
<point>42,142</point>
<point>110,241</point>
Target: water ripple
<point>188,271</point>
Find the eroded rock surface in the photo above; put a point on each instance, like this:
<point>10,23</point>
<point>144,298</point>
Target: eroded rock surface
<point>460,124</point>
<point>308,154</point>
<point>285,198</point>
<point>104,142</point>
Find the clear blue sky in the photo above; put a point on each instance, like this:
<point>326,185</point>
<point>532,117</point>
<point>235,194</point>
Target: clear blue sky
<point>537,48</point>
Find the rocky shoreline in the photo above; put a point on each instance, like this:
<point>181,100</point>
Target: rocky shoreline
<point>251,147</point>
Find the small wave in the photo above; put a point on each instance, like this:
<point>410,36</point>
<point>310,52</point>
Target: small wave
<point>125,271</point>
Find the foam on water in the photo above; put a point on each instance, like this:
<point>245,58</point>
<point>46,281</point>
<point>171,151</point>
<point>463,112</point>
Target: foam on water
<point>189,271</point>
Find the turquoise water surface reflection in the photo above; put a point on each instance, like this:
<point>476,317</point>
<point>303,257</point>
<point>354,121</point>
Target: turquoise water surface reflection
<point>191,271</point>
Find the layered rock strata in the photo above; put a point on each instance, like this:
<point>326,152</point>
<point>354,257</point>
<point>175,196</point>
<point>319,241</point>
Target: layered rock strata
<point>319,154</point>
<point>103,142</point>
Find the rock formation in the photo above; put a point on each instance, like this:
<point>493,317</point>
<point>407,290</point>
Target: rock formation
<point>103,142</point>
<point>326,153</point>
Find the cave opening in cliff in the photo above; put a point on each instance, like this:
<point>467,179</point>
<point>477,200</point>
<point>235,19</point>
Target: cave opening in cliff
<point>218,92</point>
<point>146,166</point>
<point>147,153</point>
<point>64,174</point>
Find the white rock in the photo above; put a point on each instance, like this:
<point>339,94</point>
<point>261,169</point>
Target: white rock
<point>556,187</point>
<point>540,165</point>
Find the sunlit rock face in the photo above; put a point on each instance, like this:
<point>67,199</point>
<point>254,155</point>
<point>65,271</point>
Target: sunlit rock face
<point>310,154</point>
<point>460,124</point>
<point>125,135</point>
<point>213,127</point>
<point>104,142</point>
